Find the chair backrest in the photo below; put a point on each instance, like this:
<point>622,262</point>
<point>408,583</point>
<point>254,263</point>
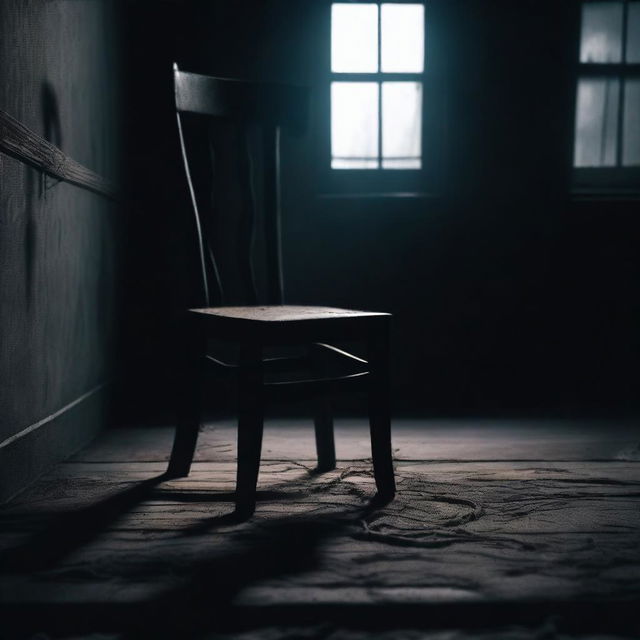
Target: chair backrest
<point>243,103</point>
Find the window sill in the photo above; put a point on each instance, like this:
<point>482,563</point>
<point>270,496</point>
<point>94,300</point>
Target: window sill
<point>608,195</point>
<point>379,195</point>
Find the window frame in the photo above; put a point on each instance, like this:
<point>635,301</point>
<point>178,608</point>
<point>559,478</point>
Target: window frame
<point>615,178</point>
<point>376,180</point>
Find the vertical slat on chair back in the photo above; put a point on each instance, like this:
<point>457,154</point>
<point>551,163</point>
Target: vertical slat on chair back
<point>271,160</point>
<point>248,217</point>
<point>270,106</point>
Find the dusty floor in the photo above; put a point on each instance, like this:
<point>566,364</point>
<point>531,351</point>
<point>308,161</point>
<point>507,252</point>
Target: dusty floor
<point>501,529</point>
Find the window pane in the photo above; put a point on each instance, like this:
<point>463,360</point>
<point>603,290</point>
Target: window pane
<point>596,122</point>
<point>402,38</point>
<point>631,126</point>
<point>601,39</point>
<point>354,125</point>
<point>633,32</point>
<point>354,38</point>
<point>401,125</point>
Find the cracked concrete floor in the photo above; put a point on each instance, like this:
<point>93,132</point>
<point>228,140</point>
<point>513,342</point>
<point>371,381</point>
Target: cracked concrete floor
<point>529,528</point>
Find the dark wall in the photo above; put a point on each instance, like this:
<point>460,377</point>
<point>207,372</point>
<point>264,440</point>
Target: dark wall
<point>58,243</point>
<point>508,292</point>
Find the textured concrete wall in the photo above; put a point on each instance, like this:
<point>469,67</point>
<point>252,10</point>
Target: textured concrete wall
<point>58,243</point>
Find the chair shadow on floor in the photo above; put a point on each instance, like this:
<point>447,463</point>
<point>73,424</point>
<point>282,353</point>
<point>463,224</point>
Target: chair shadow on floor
<point>208,580</point>
<point>63,533</point>
<point>58,535</point>
<point>205,600</point>
<point>201,599</point>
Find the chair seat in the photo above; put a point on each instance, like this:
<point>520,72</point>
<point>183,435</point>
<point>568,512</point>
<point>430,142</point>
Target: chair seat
<point>285,313</point>
<point>285,322</point>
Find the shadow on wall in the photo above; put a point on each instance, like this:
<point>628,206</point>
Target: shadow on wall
<point>38,183</point>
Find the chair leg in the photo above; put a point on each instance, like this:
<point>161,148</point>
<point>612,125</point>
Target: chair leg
<point>250,428</point>
<point>379,414</point>
<point>189,401</point>
<point>323,417</point>
<point>323,421</point>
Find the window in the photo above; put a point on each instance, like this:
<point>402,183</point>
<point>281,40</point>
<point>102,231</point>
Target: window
<point>607,117</point>
<point>377,64</point>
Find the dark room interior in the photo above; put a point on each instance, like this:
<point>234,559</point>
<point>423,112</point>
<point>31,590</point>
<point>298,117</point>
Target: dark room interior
<point>470,167</point>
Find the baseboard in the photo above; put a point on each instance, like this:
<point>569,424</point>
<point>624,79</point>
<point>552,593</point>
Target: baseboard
<point>37,448</point>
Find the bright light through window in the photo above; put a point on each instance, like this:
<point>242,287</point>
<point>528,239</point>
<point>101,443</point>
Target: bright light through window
<point>401,124</point>
<point>631,124</point>
<point>354,38</point>
<point>607,125</point>
<point>601,38</point>
<point>633,32</point>
<point>377,61</point>
<point>597,122</point>
<point>354,125</point>
<point>402,38</point>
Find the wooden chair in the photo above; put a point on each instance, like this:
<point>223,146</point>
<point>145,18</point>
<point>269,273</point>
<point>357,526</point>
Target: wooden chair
<point>253,329</point>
